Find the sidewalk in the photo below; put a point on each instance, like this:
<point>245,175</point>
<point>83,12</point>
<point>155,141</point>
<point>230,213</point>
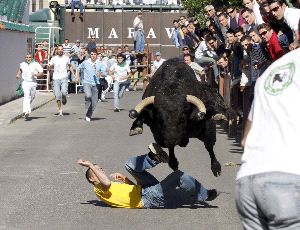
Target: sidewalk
<point>12,110</point>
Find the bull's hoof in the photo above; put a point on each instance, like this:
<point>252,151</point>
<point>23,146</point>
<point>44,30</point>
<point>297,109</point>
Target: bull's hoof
<point>135,131</point>
<point>173,164</point>
<point>216,168</point>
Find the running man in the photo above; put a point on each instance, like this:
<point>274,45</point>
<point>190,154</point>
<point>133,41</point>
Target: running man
<point>29,70</point>
<point>61,65</point>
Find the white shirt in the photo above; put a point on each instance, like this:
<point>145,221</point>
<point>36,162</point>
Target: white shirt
<point>291,17</point>
<point>200,50</point>
<point>120,73</point>
<point>273,140</point>
<point>138,24</point>
<point>157,64</point>
<point>75,49</point>
<point>257,14</point>
<point>60,64</point>
<point>29,69</point>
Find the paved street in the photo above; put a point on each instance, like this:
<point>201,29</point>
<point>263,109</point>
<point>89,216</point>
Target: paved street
<point>42,187</point>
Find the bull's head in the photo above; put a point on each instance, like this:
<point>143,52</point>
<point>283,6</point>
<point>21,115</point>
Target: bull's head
<point>170,117</point>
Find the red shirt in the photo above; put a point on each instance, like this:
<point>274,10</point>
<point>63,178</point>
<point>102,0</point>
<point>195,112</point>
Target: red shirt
<point>275,49</point>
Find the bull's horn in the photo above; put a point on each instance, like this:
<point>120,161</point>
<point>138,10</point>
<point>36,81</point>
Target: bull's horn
<point>137,110</point>
<point>199,104</point>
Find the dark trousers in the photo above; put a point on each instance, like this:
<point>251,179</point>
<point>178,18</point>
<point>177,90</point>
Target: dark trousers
<point>101,87</point>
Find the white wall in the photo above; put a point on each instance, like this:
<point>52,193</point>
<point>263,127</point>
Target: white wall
<point>13,46</point>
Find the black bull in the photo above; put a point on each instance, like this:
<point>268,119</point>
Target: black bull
<point>177,107</point>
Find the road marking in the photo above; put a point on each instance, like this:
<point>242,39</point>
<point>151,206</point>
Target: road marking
<point>67,173</point>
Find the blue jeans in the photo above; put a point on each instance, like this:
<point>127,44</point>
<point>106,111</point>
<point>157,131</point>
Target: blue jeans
<point>78,4</point>
<point>269,201</point>
<point>60,86</point>
<point>91,98</point>
<point>119,88</point>
<point>140,41</point>
<point>177,187</point>
<point>205,60</point>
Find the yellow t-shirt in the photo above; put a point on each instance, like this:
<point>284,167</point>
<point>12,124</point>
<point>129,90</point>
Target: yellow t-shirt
<point>121,195</point>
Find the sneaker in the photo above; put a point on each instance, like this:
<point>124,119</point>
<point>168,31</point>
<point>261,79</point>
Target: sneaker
<point>117,110</point>
<point>157,153</point>
<point>102,97</point>
<point>81,18</point>
<point>64,99</point>
<point>60,112</point>
<point>212,194</point>
<point>73,19</point>
<point>88,119</point>
<point>126,90</point>
<point>26,116</point>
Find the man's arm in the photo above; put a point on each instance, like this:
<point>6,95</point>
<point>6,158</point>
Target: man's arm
<point>246,131</point>
<point>121,177</point>
<point>71,70</point>
<point>104,181</point>
<point>19,73</point>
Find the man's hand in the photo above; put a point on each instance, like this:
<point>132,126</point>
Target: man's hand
<point>121,177</point>
<point>118,176</point>
<point>84,163</point>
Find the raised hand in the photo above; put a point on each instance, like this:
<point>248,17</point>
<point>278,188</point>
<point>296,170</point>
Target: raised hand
<point>84,163</point>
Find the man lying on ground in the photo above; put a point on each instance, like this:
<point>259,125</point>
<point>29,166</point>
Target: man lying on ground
<point>148,192</point>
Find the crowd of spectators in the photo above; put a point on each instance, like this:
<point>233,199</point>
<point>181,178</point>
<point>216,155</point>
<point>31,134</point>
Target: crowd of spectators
<point>239,43</point>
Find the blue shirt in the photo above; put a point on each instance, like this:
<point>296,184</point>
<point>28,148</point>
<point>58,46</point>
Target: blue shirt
<point>89,69</point>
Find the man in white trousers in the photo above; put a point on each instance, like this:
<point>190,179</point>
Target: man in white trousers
<point>29,71</point>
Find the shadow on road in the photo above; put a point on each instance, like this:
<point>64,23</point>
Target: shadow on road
<point>93,118</point>
<point>174,206</point>
<point>33,118</point>
<point>96,203</point>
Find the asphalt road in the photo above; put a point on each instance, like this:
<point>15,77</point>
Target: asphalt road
<point>42,187</point>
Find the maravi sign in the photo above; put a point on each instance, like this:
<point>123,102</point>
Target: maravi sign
<point>116,29</point>
<point>150,34</point>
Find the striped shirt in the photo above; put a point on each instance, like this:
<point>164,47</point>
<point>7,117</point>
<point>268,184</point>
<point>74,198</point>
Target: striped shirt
<point>67,48</point>
<point>258,54</point>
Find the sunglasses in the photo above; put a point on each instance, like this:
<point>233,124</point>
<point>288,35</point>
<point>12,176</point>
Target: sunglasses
<point>211,43</point>
<point>230,12</point>
<point>208,11</point>
<point>263,33</point>
<point>275,9</point>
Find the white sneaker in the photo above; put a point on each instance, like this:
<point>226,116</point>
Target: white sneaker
<point>26,115</point>
<point>126,90</point>
<point>88,119</point>
<point>60,112</point>
<point>102,97</point>
<point>157,153</point>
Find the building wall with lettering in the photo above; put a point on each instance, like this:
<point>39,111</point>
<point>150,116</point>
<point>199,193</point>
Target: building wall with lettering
<point>114,29</point>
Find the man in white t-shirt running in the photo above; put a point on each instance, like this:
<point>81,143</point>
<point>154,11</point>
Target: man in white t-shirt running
<point>119,72</point>
<point>61,65</point>
<point>29,71</point>
<point>268,182</point>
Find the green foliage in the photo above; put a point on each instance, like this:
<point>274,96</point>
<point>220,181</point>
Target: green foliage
<point>195,8</point>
